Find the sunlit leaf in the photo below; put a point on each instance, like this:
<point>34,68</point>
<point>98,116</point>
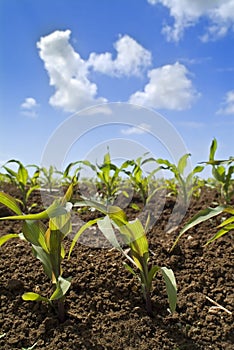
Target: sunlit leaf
<point>10,202</point>
<point>62,286</point>
<point>201,216</point>
<point>30,296</point>
<point>5,238</point>
<point>171,288</point>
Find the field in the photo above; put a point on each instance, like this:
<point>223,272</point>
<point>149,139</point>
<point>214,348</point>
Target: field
<point>104,307</point>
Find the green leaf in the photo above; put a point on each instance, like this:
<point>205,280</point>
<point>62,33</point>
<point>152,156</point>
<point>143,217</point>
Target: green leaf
<point>22,175</point>
<point>2,335</point>
<point>220,233</point>
<point>106,227</point>
<point>152,273</point>
<point>117,215</point>
<point>30,190</point>
<point>171,288</point>
<point>213,149</point>
<point>44,257</point>
<point>201,216</point>
<point>130,269</point>
<point>93,204</point>
<point>34,232</point>
<point>53,210</point>
<point>79,233</point>
<point>5,238</point>
<point>11,172</point>
<point>10,202</point>
<point>30,296</point>
<point>227,221</point>
<point>62,287</point>
<point>182,163</point>
<point>135,206</point>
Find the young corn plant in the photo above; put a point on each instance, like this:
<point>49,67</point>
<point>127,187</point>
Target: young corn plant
<point>223,172</point>
<point>186,184</point>
<point>206,214</point>
<point>133,235</point>
<point>46,243</point>
<point>108,175</point>
<point>23,181</point>
<point>141,183</point>
<point>49,178</point>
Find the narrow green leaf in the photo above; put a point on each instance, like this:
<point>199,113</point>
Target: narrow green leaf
<point>44,257</point>
<point>5,238</point>
<point>11,172</point>
<point>220,233</point>
<point>213,149</point>
<point>152,273</point>
<point>183,162</point>
<point>34,232</point>
<point>79,233</point>
<point>171,288</point>
<point>201,216</point>
<point>31,189</point>
<point>62,287</point>
<point>227,221</point>
<point>10,202</point>
<point>106,227</point>
<point>54,210</point>
<point>135,206</point>
<point>22,175</point>
<point>117,215</point>
<point>30,296</point>
<point>130,269</point>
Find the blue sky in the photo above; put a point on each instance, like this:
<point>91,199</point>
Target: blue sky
<point>169,56</point>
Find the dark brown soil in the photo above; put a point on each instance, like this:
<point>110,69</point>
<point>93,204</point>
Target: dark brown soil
<point>104,306</point>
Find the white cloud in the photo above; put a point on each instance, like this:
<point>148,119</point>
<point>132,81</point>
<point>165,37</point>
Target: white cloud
<point>168,88</point>
<point>228,104</point>
<point>29,107</point>
<point>131,59</point>
<point>68,73</point>
<point>187,13</point>
<point>136,130</point>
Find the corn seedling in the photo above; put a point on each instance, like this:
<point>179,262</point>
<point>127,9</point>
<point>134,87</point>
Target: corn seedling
<point>223,172</point>
<point>67,177</point>
<point>141,183</point>
<point>108,175</point>
<point>23,181</point>
<point>186,185</point>
<point>207,214</point>
<point>49,178</point>
<point>46,242</point>
<point>133,235</point>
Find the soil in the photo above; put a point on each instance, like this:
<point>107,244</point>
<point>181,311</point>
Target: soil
<point>104,306</point>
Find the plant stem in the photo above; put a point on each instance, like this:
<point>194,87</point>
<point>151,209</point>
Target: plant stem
<point>148,303</point>
<point>61,311</point>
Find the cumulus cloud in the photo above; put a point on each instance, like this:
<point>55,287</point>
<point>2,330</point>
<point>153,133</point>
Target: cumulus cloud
<point>131,59</point>
<point>227,106</point>
<point>187,13</point>
<point>29,107</point>
<point>136,130</point>
<point>68,73</point>
<point>168,88</point>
